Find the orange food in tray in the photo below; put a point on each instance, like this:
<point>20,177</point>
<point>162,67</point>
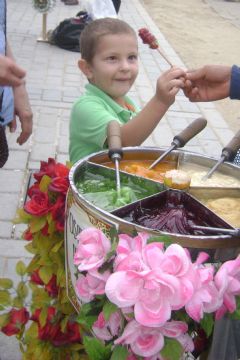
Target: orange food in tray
<point>140,168</point>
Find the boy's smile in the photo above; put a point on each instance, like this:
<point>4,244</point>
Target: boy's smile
<point>114,67</point>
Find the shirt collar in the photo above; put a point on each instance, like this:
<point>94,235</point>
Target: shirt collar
<point>94,90</point>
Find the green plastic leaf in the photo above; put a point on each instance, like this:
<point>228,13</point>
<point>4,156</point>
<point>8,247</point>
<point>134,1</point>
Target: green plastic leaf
<point>6,283</point>
<point>37,223</point>
<point>86,321</point>
<point>108,309</point>
<point>32,333</point>
<point>29,247</point>
<point>44,183</point>
<point>5,298</point>
<point>119,353</point>
<point>95,349</point>
<point>4,318</point>
<point>21,268</point>
<point>40,297</point>
<point>161,238</point>
<point>17,302</point>
<point>45,274</point>
<point>43,316</point>
<point>57,246</point>
<point>22,290</point>
<point>22,217</point>
<point>207,324</point>
<point>172,349</point>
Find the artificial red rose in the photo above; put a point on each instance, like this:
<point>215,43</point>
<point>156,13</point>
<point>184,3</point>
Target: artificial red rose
<point>38,205</point>
<point>27,235</point>
<point>51,169</point>
<point>58,213</point>
<point>50,315</point>
<point>35,278</point>
<point>51,328</point>
<point>52,287</point>
<point>59,184</point>
<point>61,170</point>
<point>33,190</point>
<point>46,168</point>
<point>70,336</point>
<point>17,318</point>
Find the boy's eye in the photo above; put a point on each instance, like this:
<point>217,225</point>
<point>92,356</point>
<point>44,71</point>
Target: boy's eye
<point>112,58</point>
<point>133,57</point>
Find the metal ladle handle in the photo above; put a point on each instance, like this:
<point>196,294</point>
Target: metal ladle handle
<point>114,140</point>
<point>187,134</point>
<point>230,150</point>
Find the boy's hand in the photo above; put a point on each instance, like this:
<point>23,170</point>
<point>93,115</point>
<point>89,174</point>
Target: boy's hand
<point>168,85</point>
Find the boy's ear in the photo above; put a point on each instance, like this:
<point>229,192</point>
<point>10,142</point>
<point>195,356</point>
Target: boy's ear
<point>85,68</point>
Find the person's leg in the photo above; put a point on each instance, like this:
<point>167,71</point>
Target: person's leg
<point>116,4</point>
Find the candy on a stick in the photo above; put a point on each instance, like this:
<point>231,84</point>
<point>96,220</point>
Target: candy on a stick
<point>150,39</point>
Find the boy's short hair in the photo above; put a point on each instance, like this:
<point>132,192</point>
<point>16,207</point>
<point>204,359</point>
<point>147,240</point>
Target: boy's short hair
<point>91,34</point>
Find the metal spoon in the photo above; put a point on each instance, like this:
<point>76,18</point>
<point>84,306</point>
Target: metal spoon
<point>228,154</point>
<point>115,149</point>
<point>181,139</point>
<point>232,232</point>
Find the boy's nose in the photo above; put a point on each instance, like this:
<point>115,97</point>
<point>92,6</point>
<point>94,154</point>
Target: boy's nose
<point>124,65</point>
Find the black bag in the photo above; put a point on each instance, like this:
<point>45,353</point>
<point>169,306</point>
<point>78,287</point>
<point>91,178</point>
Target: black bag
<point>67,33</point>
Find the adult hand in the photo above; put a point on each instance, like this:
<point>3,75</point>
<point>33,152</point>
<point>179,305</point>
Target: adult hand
<point>209,83</point>
<point>10,73</point>
<point>24,112</point>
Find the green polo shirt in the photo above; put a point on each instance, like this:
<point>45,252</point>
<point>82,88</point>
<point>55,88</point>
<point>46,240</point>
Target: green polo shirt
<point>89,118</point>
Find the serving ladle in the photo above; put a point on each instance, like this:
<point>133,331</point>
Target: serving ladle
<point>115,149</point>
<point>228,154</point>
<point>181,139</point>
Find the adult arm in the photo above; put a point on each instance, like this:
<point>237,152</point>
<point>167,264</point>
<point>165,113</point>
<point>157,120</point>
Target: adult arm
<point>10,73</point>
<point>235,83</point>
<point>21,106</point>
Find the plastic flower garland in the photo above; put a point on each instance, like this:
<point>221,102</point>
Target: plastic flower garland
<point>37,310</point>
<point>141,299</point>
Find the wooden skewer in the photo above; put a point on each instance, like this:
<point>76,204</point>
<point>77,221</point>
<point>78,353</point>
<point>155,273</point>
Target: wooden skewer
<point>164,56</point>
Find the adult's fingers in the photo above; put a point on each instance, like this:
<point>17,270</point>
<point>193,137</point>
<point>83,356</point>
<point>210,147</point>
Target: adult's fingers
<point>26,125</point>
<point>10,73</point>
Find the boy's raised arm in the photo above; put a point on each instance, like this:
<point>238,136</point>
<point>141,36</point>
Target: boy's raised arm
<point>141,126</point>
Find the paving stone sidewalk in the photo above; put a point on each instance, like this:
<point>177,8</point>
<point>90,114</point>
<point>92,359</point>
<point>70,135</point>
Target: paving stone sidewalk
<point>54,82</point>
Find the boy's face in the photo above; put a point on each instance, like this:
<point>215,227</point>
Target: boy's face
<point>114,67</point>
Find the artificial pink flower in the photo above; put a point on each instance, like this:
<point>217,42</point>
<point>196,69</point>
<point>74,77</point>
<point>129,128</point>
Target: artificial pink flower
<point>144,341</point>
<point>117,288</point>
<point>106,330</point>
<point>227,281</point>
<point>129,252</point>
<point>186,341</point>
<point>176,261</point>
<point>148,342</point>
<point>92,248</point>
<point>206,296</point>
<point>92,284</point>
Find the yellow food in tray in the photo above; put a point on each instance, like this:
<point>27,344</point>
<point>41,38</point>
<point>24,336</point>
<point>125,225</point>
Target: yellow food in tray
<point>227,208</point>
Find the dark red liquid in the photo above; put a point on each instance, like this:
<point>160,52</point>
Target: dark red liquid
<point>171,211</point>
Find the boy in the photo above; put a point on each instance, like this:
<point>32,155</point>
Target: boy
<point>109,60</point>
